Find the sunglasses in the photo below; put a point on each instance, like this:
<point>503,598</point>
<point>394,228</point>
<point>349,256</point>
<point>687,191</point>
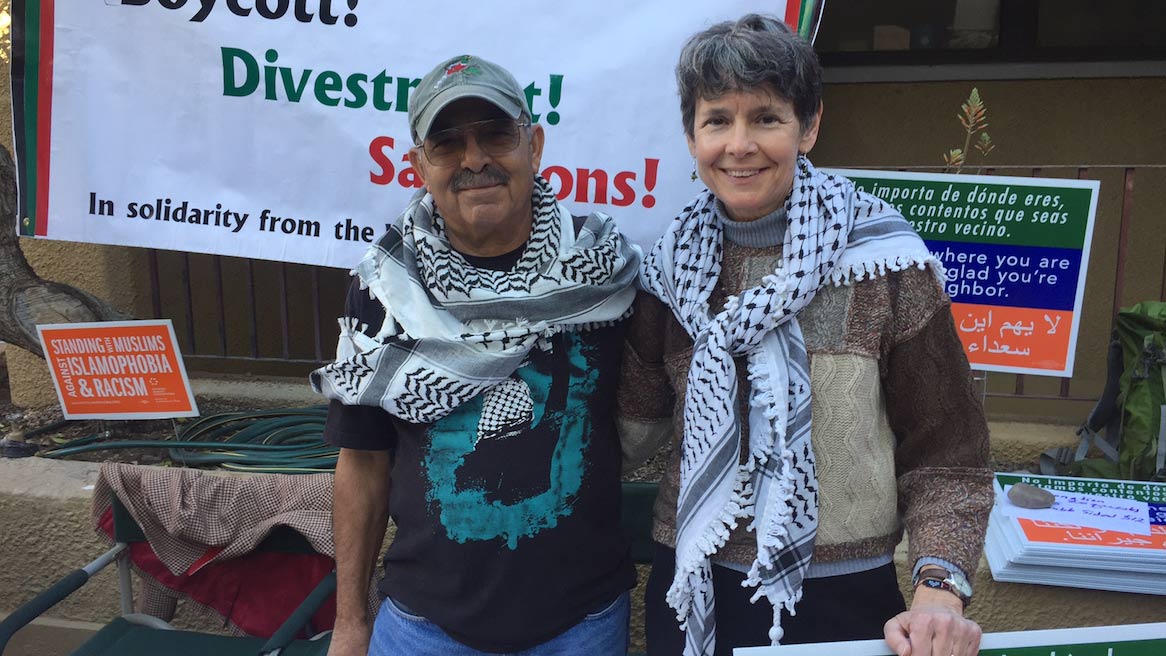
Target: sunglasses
<point>498,136</point>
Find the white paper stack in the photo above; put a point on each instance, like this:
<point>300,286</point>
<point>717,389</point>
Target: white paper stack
<point>1099,534</point>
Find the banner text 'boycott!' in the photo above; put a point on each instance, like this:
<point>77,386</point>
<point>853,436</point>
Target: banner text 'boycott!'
<point>301,10</point>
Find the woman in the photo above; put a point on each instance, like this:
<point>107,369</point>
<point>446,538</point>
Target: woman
<point>777,291</point>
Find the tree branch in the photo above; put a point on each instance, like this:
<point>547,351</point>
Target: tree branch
<point>26,299</point>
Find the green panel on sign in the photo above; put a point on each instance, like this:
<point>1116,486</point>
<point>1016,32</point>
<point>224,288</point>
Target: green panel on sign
<point>1136,491</point>
<point>1123,648</point>
<point>988,213</point>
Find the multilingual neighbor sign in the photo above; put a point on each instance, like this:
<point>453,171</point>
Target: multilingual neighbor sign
<point>117,370</point>
<point>277,129</point>
<point>1130,640</point>
<point>1015,252</point>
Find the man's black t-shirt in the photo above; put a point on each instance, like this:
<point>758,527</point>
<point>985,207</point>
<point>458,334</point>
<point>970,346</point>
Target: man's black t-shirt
<point>508,509</point>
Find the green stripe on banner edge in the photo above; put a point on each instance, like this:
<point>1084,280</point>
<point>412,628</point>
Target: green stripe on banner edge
<point>16,77</point>
<point>32,41</point>
<point>806,18</point>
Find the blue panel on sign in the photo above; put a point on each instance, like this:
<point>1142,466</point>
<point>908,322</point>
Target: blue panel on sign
<point>1015,276</point>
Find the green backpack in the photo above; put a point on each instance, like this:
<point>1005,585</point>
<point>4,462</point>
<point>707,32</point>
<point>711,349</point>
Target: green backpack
<point>1132,407</point>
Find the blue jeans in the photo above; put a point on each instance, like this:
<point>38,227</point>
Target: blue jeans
<point>398,633</point>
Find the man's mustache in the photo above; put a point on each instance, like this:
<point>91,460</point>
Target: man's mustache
<point>488,176</point>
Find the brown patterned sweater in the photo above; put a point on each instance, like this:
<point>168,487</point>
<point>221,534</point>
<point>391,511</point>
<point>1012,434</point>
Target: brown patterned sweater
<point>898,432</point>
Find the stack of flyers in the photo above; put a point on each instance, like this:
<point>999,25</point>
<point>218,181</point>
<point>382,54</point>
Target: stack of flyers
<point>1099,534</point>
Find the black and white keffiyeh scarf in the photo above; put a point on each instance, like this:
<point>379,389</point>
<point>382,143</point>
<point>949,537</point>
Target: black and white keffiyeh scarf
<point>836,235</point>
<point>453,331</point>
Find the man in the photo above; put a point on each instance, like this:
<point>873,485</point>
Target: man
<point>476,373</point>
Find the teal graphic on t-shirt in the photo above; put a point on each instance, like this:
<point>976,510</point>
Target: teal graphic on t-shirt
<point>466,508</point>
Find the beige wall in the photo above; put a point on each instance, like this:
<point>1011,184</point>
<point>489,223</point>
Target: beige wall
<point>44,506</point>
<point>1067,122</point>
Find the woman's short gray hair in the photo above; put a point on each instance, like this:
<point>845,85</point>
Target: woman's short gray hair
<point>753,53</point>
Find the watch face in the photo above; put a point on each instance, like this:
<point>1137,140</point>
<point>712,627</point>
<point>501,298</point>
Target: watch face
<point>960,583</point>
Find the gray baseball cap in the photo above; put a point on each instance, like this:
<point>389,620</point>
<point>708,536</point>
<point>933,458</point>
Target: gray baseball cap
<point>464,76</point>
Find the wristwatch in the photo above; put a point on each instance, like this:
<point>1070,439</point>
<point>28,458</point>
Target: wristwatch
<point>938,578</point>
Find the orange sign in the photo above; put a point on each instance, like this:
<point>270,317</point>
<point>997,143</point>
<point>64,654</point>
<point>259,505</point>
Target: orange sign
<point>118,370</point>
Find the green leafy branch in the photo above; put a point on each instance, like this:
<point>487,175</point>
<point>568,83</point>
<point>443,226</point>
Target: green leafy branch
<point>974,118</point>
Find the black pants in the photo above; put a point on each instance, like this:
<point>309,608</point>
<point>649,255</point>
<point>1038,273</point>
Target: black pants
<point>849,607</point>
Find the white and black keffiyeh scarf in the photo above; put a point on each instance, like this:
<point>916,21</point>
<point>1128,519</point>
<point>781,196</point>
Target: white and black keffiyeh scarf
<point>453,331</point>
<point>836,235</point>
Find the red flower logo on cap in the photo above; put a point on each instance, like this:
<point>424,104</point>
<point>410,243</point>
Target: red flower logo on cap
<point>460,66</point>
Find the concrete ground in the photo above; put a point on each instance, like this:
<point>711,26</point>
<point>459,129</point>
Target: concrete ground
<point>44,512</point>
<point>272,390</point>
<point>50,637</point>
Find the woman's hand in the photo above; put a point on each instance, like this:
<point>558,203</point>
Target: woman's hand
<point>934,626</point>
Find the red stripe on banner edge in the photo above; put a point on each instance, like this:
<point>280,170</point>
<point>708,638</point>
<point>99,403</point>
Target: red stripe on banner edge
<point>793,11</point>
<point>44,116</point>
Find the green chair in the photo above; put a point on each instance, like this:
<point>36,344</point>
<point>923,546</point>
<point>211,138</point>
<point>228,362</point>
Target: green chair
<point>638,503</point>
<point>131,634</point>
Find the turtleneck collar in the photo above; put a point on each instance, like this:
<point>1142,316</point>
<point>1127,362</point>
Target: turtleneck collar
<point>767,231</point>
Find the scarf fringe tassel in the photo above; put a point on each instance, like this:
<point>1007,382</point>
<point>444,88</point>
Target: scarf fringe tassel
<point>695,568</point>
<point>863,270</point>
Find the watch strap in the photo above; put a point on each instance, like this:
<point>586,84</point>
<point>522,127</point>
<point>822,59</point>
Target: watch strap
<point>938,578</point>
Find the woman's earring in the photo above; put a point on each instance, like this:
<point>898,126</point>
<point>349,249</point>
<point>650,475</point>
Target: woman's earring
<point>694,169</point>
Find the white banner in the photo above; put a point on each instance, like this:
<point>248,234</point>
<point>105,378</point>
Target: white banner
<point>277,129</point>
